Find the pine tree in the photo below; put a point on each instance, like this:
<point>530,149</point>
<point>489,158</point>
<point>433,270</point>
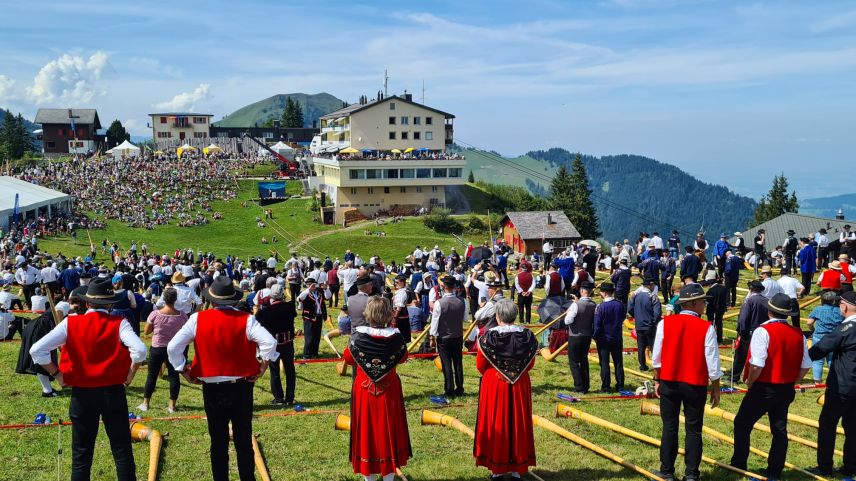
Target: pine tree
<point>287,113</point>
<point>561,196</point>
<point>776,202</point>
<point>583,215</point>
<point>6,135</point>
<point>116,134</point>
<point>15,140</point>
<point>471,178</point>
<point>298,115</point>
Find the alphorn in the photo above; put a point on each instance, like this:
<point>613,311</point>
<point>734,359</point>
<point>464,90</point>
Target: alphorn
<point>433,418</point>
<point>438,363</point>
<point>648,408</point>
<point>342,368</point>
<point>550,356</point>
<point>550,426</point>
<point>563,410</point>
<point>810,422</point>
<point>719,412</point>
<point>330,334</point>
<point>261,466</point>
<point>642,375</point>
<point>416,342</point>
<point>821,399</point>
<point>468,331</point>
<point>141,432</point>
<point>343,423</point>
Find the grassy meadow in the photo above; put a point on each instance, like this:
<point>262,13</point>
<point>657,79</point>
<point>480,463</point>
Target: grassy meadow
<point>305,446</point>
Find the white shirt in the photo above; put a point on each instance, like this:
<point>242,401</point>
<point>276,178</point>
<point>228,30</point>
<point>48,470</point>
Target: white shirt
<point>657,241</point>
<point>27,276</point>
<point>480,285</point>
<point>400,298</point>
<point>49,274</point>
<point>41,350</point>
<point>547,282</point>
<point>771,288</point>
<point>347,277</point>
<point>761,341</point>
<point>318,296</point>
<point>255,333</point>
<point>844,236</point>
<point>435,316</point>
<point>573,311</point>
<point>520,289</point>
<point>486,312</point>
<point>547,248</point>
<point>822,240</point>
<point>39,303</point>
<point>6,299</point>
<point>186,299</point>
<point>711,349</point>
<point>790,286</point>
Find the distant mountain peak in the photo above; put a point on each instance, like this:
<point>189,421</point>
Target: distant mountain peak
<point>257,113</point>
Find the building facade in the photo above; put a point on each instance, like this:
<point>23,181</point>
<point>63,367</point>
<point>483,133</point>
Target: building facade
<point>69,131</point>
<point>526,232</point>
<point>302,136</point>
<point>180,125</point>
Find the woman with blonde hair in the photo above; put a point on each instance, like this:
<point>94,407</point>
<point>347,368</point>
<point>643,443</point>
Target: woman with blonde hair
<point>380,440</point>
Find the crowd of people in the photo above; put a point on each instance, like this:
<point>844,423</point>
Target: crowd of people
<point>425,304</point>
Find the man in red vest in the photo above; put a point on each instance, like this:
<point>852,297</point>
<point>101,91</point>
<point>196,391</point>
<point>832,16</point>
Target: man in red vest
<point>100,355</point>
<point>685,359</point>
<point>847,271</point>
<point>778,358</point>
<point>226,363</point>
<point>524,285</point>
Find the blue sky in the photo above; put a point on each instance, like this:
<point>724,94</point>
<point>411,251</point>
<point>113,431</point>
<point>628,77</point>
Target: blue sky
<point>732,92</point>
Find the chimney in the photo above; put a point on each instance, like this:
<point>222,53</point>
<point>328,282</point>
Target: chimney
<point>70,115</point>
<point>408,97</point>
<point>549,218</point>
<point>839,215</point>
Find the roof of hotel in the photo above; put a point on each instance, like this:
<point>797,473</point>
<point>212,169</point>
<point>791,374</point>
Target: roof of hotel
<point>353,108</point>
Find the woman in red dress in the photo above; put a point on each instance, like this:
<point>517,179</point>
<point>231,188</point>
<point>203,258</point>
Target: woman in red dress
<point>504,441</point>
<point>380,440</point>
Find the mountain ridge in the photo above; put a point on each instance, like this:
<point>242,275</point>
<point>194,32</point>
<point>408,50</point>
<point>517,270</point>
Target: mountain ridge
<point>257,113</point>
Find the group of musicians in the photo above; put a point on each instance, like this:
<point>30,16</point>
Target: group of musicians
<point>101,354</point>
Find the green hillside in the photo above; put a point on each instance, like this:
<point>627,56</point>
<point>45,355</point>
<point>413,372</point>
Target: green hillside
<point>631,193</point>
<point>30,126</point>
<point>828,206</point>
<point>314,106</point>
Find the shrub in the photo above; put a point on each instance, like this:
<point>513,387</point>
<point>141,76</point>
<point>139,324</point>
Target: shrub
<point>440,221</point>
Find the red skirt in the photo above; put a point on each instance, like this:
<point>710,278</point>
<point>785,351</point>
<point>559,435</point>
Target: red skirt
<point>504,440</point>
<point>558,338</point>
<point>380,440</point>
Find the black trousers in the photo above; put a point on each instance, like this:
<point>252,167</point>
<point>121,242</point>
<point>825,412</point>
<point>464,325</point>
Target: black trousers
<point>644,340</point>
<point>524,303</point>
<point>740,355</point>
<point>822,256</point>
<point>157,358</point>
<point>88,407</point>
<point>837,407</point>
<point>578,349</point>
<point>286,355</point>
<point>29,290</point>
<point>716,319</point>
<point>732,291</point>
<point>334,295</point>
<point>311,337</point>
<point>772,400</point>
<point>666,290</point>
<point>673,395</point>
<point>452,360</point>
<point>720,266</point>
<point>806,281</point>
<point>224,403</point>
<point>789,260</point>
<point>16,325</point>
<point>795,306</point>
<point>605,350</point>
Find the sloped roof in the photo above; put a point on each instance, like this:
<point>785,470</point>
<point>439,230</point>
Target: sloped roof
<point>803,225</point>
<point>60,116</point>
<point>532,225</point>
<point>181,114</point>
<point>31,195</point>
<point>353,108</point>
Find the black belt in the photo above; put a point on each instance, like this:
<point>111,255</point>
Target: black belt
<point>233,381</point>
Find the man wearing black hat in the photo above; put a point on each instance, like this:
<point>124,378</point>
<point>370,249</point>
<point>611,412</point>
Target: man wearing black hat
<point>606,332</point>
<point>790,246</point>
<point>690,265</point>
<point>101,353</point>
<point>226,343</point>
<point>620,278</point>
<point>580,321</point>
<point>357,302</point>
<point>524,285</point>
<point>760,247</point>
<point>685,359</point>
<point>779,359</point>
<point>400,300</point>
<point>840,398</point>
<point>753,312</point>
<point>314,311</point>
<point>447,334</point>
<point>645,309</point>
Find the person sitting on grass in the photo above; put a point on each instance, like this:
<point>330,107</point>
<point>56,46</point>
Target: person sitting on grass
<point>164,324</point>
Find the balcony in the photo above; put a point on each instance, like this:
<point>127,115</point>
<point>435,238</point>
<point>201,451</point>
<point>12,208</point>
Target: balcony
<point>336,128</point>
<point>182,125</point>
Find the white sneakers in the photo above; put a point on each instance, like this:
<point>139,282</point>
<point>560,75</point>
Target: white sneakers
<point>142,407</point>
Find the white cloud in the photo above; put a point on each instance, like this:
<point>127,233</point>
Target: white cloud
<point>6,86</point>
<point>70,78</point>
<point>186,100</point>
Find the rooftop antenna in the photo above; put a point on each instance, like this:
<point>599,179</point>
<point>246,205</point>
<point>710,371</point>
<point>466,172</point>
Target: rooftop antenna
<point>385,83</point>
<point>423,91</point>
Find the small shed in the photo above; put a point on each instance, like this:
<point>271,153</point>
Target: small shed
<point>526,232</point>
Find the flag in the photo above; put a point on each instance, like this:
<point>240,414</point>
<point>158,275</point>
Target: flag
<point>15,211</point>
<point>73,128</point>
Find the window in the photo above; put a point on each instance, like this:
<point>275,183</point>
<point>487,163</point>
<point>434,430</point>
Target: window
<point>419,190</point>
<point>199,120</point>
<point>434,189</point>
<point>353,189</point>
<point>404,136</point>
<point>392,136</point>
<point>373,173</point>
<point>408,173</point>
<point>386,190</point>
<point>405,120</point>
<point>371,190</point>
<point>392,120</point>
<point>416,135</point>
<point>429,121</point>
<point>199,135</point>
<point>392,106</point>
<point>455,172</point>
<point>390,174</point>
<point>429,135</point>
<point>50,145</point>
<point>440,173</point>
<point>403,190</point>
<point>163,120</point>
<point>423,173</point>
<point>61,132</point>
<point>417,120</point>
<point>357,174</point>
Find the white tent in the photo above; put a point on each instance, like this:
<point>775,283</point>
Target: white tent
<point>279,147</point>
<point>31,198</point>
<point>126,149</point>
<point>263,152</point>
